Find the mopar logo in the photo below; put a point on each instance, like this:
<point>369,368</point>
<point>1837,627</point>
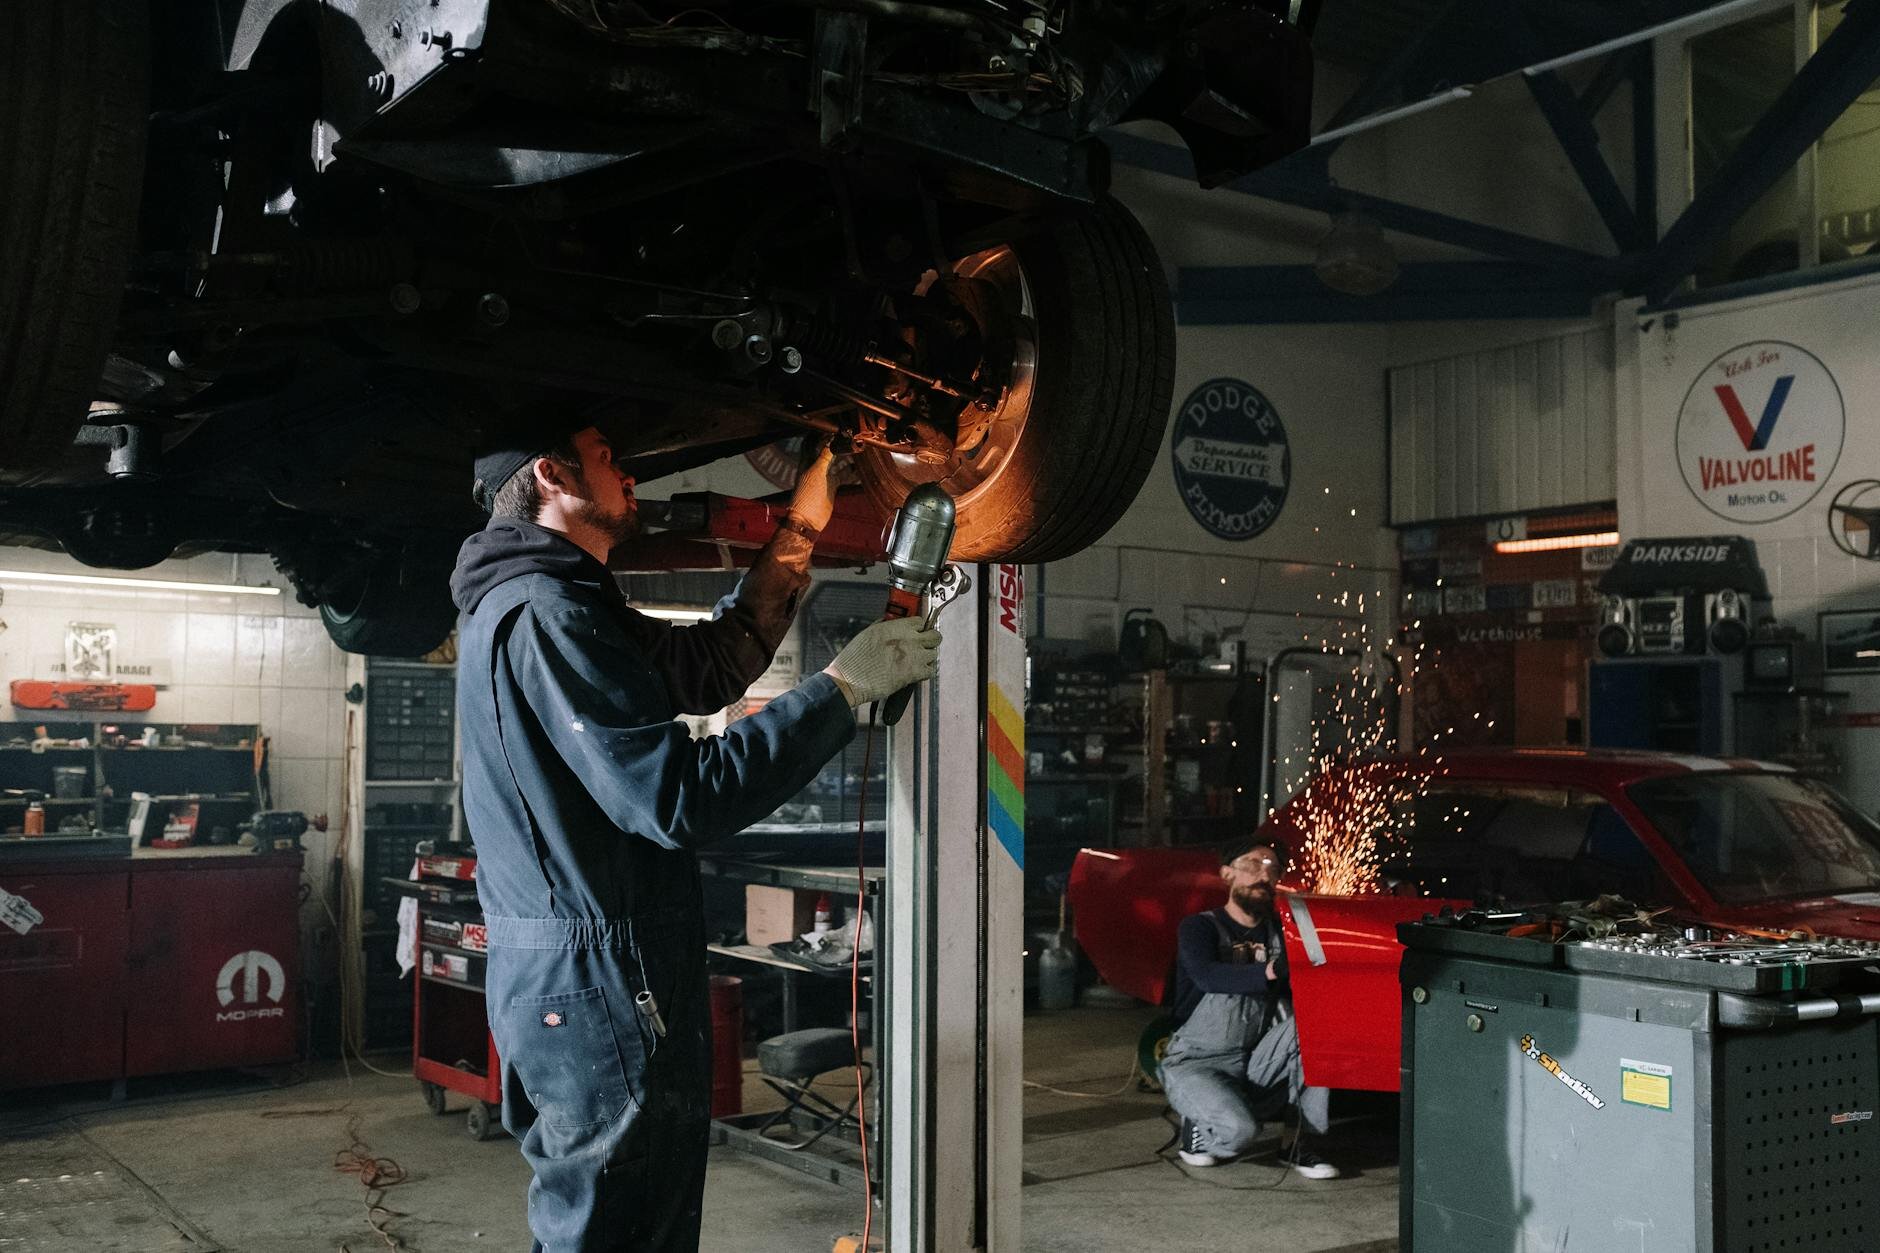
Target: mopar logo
<point>250,976</point>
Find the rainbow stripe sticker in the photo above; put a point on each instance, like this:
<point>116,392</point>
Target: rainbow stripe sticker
<point>1005,773</point>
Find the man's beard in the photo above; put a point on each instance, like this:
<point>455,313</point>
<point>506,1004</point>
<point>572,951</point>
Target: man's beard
<point>616,528</point>
<point>1255,900</point>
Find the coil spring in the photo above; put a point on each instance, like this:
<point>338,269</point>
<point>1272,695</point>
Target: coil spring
<point>828,342</point>
<point>343,265</point>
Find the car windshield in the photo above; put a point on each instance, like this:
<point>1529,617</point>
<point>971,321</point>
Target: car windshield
<point>1752,836</point>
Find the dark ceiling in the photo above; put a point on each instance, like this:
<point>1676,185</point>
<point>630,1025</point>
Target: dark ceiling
<point>1470,41</point>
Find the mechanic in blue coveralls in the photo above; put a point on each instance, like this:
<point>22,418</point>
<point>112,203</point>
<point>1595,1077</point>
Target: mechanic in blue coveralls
<point>588,802</point>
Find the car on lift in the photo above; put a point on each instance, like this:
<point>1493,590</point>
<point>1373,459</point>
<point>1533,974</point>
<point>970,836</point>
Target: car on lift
<point>272,267</point>
<point>1732,843</point>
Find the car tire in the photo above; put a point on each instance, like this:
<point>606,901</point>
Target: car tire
<point>391,610</point>
<point>74,93</point>
<point>1101,383</point>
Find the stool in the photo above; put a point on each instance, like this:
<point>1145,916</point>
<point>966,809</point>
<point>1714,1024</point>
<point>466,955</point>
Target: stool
<point>788,1063</point>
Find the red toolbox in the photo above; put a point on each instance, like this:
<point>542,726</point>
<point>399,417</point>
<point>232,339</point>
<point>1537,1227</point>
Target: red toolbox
<point>141,965</point>
<point>451,1046</point>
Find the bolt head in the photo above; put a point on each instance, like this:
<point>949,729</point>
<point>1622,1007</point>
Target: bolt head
<point>1420,995</point>
<point>493,309</point>
<point>398,30</point>
<point>425,38</point>
<point>757,348</point>
<point>727,334</point>
<point>1476,1023</point>
<point>792,360</point>
<point>405,298</point>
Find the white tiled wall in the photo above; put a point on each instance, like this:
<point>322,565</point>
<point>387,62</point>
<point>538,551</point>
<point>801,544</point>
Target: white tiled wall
<point>231,658</point>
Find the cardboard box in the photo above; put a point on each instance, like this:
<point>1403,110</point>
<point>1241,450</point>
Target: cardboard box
<point>777,915</point>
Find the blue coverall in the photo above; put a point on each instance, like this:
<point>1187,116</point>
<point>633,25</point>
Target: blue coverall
<point>586,801</point>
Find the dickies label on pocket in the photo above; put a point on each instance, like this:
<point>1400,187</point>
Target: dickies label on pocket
<point>570,1063</point>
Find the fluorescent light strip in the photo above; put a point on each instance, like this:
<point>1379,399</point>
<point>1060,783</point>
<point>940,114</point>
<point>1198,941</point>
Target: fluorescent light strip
<point>1392,115</point>
<point>105,580</point>
<point>1553,543</point>
<point>677,615</point>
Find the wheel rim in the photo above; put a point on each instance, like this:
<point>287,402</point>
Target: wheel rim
<point>977,469</point>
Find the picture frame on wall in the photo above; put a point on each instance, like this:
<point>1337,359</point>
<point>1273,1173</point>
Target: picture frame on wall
<point>1850,641</point>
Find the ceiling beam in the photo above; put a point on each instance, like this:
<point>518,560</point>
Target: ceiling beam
<point>1844,66</point>
<point>1615,69</point>
<point>1580,141</point>
<point>1286,184</point>
<point>1425,291</point>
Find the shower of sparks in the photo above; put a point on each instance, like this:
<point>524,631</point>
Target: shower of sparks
<point>1355,814</point>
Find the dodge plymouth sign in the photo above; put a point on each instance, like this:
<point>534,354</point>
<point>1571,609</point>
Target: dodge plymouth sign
<point>1760,431</point>
<point>1232,462</point>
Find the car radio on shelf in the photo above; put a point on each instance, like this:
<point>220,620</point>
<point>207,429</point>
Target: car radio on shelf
<point>1680,596</point>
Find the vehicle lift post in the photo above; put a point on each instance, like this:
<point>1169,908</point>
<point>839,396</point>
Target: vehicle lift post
<point>952,949</point>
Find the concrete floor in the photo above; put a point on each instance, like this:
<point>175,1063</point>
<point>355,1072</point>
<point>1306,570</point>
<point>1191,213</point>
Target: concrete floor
<point>221,1164</point>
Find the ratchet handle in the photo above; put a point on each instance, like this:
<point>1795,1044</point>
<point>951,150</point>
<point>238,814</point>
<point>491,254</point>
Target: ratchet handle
<point>892,708</point>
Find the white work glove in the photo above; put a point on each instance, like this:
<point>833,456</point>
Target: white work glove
<point>884,659</point>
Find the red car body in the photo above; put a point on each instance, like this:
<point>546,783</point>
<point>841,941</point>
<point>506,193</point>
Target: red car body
<point>1342,947</point>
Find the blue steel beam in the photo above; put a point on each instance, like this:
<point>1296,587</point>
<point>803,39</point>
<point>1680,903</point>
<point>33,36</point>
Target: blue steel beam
<point>1615,69</point>
<point>1303,190</point>
<point>1378,89</point>
<point>1843,67</point>
<point>1645,142</point>
<point>1580,142</point>
<point>1427,291</point>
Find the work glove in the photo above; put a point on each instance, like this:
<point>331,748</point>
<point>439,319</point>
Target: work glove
<point>814,501</point>
<point>885,658</point>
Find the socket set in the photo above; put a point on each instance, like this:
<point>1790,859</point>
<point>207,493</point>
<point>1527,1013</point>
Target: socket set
<point>1728,961</point>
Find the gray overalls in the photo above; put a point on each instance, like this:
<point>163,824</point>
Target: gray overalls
<point>1236,1061</point>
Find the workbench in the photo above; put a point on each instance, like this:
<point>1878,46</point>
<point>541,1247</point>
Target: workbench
<point>164,960</point>
<point>840,883</point>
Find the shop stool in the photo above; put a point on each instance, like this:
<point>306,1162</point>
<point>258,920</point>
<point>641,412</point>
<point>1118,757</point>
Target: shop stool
<point>789,1063</point>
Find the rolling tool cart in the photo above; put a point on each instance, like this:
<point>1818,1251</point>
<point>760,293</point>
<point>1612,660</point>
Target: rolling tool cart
<point>1690,1090</point>
<point>451,1046</point>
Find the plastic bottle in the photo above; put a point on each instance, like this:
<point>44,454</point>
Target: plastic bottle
<point>821,924</point>
<point>35,822</point>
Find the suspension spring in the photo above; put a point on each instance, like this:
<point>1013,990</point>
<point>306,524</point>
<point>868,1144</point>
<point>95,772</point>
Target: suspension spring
<point>831,344</point>
<point>343,265</point>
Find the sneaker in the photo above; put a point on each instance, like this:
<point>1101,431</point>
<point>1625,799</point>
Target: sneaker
<point>1188,1147</point>
<point>1310,1165</point>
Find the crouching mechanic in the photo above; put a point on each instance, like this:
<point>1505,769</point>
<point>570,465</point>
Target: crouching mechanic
<point>587,802</point>
<point>1234,1060</point>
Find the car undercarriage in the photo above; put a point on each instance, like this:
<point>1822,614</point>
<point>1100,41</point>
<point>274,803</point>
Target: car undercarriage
<point>357,238</point>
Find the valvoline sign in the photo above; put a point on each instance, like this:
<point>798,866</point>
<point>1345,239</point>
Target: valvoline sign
<point>1760,431</point>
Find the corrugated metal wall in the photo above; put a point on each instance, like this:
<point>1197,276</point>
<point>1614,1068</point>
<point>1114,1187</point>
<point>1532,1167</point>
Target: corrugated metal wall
<point>1523,428</point>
